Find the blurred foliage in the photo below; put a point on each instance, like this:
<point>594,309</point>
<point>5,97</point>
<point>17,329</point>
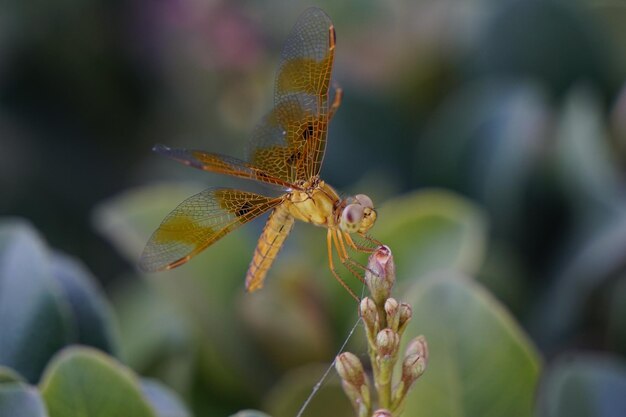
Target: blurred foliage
<point>39,288</point>
<point>64,389</point>
<point>584,385</point>
<point>48,300</point>
<point>19,400</point>
<point>490,134</point>
<point>432,230</point>
<point>433,226</point>
<point>250,413</point>
<point>484,364</point>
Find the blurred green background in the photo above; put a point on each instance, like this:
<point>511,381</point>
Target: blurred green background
<point>491,135</point>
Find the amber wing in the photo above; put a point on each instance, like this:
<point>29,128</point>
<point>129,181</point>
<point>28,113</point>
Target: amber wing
<point>221,164</point>
<point>200,221</point>
<point>290,141</point>
<point>274,234</point>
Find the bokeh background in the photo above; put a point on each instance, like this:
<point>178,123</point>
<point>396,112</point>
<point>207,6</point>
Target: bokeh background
<point>491,134</point>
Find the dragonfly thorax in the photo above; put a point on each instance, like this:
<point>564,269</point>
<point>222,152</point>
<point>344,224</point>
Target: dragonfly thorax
<point>315,203</point>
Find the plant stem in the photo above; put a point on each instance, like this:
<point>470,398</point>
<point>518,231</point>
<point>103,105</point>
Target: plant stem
<point>383,384</point>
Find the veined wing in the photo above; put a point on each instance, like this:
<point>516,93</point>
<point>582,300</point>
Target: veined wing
<point>199,222</point>
<point>221,164</point>
<point>290,141</point>
<point>274,234</point>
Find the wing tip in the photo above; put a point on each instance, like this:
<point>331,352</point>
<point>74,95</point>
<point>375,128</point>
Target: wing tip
<point>145,266</point>
<point>315,10</point>
<point>161,149</point>
<point>151,264</point>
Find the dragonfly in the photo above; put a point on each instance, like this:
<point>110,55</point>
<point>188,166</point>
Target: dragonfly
<point>286,151</point>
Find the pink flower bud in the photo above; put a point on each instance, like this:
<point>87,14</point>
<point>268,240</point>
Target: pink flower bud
<point>381,274</point>
<point>418,346</point>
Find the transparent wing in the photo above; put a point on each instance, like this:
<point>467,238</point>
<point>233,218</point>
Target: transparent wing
<point>221,164</point>
<point>198,222</point>
<point>290,141</point>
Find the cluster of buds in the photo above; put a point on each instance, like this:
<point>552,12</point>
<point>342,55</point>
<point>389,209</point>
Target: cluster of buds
<point>385,320</point>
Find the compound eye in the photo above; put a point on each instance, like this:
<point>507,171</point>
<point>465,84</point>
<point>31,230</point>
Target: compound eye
<point>364,200</point>
<point>352,214</point>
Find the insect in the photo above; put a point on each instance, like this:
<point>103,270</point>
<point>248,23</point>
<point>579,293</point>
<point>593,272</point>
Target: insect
<point>286,151</point>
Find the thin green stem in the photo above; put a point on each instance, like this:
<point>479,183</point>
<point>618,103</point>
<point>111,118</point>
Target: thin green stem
<point>383,383</point>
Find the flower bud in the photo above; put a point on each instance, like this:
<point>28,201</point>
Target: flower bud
<point>415,360</point>
<point>387,342</point>
<point>405,312</point>
<point>391,310</point>
<point>413,367</point>
<point>369,314</point>
<point>418,346</point>
<point>354,381</point>
<point>350,369</point>
<point>381,274</point>
<point>382,413</point>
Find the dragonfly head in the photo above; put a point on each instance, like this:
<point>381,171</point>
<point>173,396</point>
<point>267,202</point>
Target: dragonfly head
<point>358,215</point>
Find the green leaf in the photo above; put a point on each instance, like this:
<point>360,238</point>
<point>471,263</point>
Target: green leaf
<point>20,400</point>
<point>584,386</point>
<point>480,363</point>
<point>90,310</point>
<point>9,375</point>
<point>34,319</point>
<point>163,400</point>
<point>432,230</point>
<point>83,382</point>
<point>250,413</point>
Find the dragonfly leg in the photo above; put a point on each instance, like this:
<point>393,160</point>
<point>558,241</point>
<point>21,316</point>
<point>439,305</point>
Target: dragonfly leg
<point>359,248</point>
<point>371,239</point>
<point>329,244</point>
<point>356,246</point>
<point>345,259</point>
<point>341,247</point>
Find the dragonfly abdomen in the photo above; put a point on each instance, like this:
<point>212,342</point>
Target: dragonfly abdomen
<point>274,234</point>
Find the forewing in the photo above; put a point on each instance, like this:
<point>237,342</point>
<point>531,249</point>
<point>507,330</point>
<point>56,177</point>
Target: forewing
<point>221,164</point>
<point>290,141</point>
<point>200,221</point>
